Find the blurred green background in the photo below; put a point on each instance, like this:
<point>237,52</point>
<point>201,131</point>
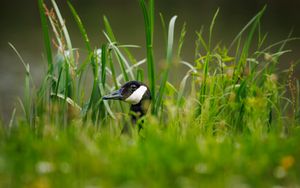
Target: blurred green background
<point>20,25</point>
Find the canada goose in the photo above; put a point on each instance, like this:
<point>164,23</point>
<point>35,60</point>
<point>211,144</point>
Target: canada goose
<point>138,95</point>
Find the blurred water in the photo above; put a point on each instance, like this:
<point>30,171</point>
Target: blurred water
<point>20,25</point>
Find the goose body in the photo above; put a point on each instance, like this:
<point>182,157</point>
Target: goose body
<point>137,94</point>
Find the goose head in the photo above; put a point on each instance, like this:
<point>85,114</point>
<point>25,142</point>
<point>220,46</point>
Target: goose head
<point>135,93</point>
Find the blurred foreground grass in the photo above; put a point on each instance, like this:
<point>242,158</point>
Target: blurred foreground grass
<point>232,121</point>
<point>172,157</point>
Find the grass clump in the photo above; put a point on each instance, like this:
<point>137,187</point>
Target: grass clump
<point>233,119</point>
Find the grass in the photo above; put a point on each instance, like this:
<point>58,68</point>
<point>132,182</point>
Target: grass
<point>232,122</point>
<point>85,157</point>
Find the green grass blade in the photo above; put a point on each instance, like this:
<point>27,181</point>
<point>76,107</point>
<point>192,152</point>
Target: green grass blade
<point>140,75</point>
<point>103,64</point>
<point>280,43</point>
<point>109,30</point>
<point>68,100</point>
<point>94,56</point>
<point>242,60</point>
<point>164,27</point>
<point>22,106</point>
<point>112,69</point>
<point>181,90</point>
<point>171,39</point>
<point>12,119</point>
<point>65,32</point>
<point>20,57</point>
<point>149,24</point>
<point>168,62</point>
<point>181,39</point>
<point>135,66</point>
<point>81,27</point>
<point>47,43</point>
<point>27,89</point>
<point>151,16</point>
<point>27,92</point>
<point>257,16</point>
<point>211,28</point>
<point>27,97</point>
<point>121,59</point>
<point>201,41</point>
<point>106,105</point>
<point>110,33</point>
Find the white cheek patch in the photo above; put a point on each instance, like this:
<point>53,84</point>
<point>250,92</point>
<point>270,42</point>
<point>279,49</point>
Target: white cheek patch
<point>137,95</point>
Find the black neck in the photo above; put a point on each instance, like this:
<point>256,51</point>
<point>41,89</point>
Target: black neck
<point>139,110</point>
<point>136,112</point>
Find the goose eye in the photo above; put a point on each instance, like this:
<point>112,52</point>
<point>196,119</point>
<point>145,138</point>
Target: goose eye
<point>133,87</point>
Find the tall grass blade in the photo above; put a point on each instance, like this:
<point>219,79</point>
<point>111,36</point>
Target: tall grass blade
<point>168,63</point>
<point>109,30</point>
<point>121,59</point>
<point>12,119</point>
<point>149,27</point>
<point>254,19</point>
<point>112,39</point>
<point>280,43</point>
<point>47,43</point>
<point>164,27</point>
<point>81,27</point>
<point>211,28</point>
<point>181,39</point>
<point>110,33</point>
<point>27,93</point>
<point>112,69</point>
<point>135,66</point>
<point>151,16</point>
<point>65,31</point>
<point>201,41</point>
<point>181,90</point>
<point>96,94</point>
<point>103,64</point>
<point>140,75</point>
<point>97,109</point>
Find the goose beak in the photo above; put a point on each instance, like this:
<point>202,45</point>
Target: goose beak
<point>116,95</point>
